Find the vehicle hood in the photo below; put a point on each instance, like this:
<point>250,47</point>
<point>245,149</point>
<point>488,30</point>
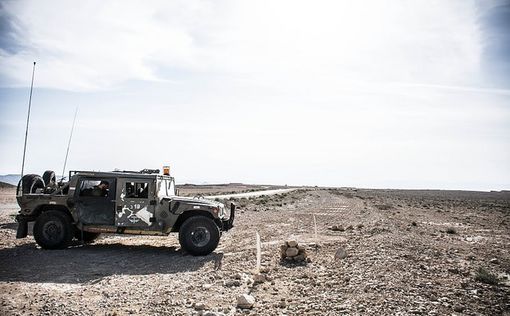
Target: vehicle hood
<point>194,201</point>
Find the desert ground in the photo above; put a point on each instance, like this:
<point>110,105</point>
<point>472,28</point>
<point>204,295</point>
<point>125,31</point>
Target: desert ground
<point>401,252</point>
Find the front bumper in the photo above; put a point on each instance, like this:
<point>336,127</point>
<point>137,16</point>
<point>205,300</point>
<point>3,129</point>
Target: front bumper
<point>229,223</point>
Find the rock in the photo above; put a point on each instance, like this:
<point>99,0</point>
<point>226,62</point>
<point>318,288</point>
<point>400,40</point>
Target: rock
<point>313,245</point>
<point>340,254</point>
<point>211,313</point>
<point>292,243</point>
<point>283,249</point>
<point>245,301</point>
<point>291,252</point>
<point>458,308</point>
<point>230,283</point>
<point>337,228</point>
<point>200,306</point>
<point>259,278</point>
<point>300,257</point>
<point>494,261</point>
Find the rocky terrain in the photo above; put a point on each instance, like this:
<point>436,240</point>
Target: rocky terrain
<point>369,252</point>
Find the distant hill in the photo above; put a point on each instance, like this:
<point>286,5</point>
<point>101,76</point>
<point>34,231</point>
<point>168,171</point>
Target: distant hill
<point>4,185</point>
<point>10,178</point>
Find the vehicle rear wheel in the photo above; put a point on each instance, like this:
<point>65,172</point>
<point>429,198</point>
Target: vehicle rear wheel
<point>87,236</point>
<point>199,235</point>
<point>53,230</point>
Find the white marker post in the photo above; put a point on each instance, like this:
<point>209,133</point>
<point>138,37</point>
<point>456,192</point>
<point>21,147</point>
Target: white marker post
<point>315,229</point>
<point>257,268</point>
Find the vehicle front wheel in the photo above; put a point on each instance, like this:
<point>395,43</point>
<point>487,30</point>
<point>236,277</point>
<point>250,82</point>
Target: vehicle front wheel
<point>53,230</point>
<point>199,235</point>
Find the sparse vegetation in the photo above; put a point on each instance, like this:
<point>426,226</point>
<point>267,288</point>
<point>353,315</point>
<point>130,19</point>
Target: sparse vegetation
<point>451,230</point>
<point>484,276</point>
<point>383,207</point>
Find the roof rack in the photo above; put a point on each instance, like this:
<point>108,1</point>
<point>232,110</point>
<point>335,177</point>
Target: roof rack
<point>143,171</point>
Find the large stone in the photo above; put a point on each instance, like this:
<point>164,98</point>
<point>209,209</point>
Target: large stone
<point>292,243</point>
<point>245,301</point>
<point>291,252</point>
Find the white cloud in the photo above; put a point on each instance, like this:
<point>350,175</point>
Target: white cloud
<point>97,44</point>
<point>381,93</point>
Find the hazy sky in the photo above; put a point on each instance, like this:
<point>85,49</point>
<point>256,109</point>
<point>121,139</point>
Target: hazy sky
<point>386,94</point>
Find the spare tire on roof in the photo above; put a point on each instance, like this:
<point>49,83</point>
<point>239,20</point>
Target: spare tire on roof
<point>29,183</point>
<point>49,178</point>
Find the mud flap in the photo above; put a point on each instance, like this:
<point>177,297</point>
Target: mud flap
<point>22,230</point>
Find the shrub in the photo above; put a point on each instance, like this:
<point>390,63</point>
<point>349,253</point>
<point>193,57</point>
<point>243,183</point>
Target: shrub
<point>451,230</point>
<point>484,276</point>
<point>383,207</point>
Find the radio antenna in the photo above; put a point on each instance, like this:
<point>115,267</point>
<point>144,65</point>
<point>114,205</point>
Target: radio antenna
<point>69,144</point>
<point>28,121</point>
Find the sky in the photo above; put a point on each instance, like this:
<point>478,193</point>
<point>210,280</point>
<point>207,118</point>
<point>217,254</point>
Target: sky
<point>374,94</point>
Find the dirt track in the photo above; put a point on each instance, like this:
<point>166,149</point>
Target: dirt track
<point>409,252</point>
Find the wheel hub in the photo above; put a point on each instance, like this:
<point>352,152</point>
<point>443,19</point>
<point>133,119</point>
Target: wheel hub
<point>200,236</point>
<point>52,230</point>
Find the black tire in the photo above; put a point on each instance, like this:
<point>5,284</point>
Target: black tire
<point>87,236</point>
<point>53,230</point>
<point>49,178</point>
<point>29,183</point>
<point>199,235</point>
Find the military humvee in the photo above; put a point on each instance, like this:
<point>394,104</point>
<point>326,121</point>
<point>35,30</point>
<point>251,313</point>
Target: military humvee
<point>119,202</point>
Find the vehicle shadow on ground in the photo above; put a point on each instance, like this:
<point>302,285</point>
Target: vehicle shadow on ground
<point>81,264</point>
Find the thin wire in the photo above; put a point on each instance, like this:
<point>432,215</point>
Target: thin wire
<point>28,121</point>
<point>69,144</point>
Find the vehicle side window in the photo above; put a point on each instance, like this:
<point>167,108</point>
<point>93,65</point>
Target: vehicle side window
<point>98,188</point>
<point>162,189</point>
<point>137,190</point>
<point>171,188</point>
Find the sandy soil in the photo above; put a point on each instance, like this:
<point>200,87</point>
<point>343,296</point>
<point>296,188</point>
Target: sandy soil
<point>408,252</point>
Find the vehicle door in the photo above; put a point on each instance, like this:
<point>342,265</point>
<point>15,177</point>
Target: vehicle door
<point>134,208</point>
<point>95,200</point>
